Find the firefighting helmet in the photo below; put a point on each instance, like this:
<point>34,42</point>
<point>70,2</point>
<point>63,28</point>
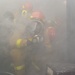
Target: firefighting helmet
<point>27,6</point>
<point>37,15</point>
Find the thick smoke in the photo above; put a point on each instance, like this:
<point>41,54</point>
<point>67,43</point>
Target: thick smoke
<point>52,9</point>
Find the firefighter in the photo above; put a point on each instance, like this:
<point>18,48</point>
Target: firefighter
<point>17,46</point>
<point>17,51</point>
<point>23,47</point>
<point>27,9</point>
<point>37,28</point>
<point>51,33</point>
<point>17,43</point>
<point>37,18</point>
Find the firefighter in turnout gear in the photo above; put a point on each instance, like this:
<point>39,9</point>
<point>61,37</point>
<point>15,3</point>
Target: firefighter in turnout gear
<point>18,44</point>
<point>37,19</point>
<point>23,48</point>
<point>50,34</point>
